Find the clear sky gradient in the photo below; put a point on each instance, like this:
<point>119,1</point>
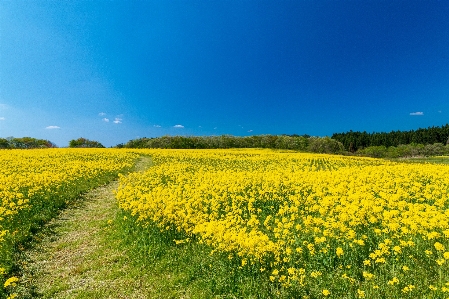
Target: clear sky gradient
<point>112,71</point>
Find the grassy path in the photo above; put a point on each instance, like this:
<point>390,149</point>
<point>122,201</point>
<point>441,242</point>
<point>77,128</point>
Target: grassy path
<point>86,253</point>
<point>78,255</point>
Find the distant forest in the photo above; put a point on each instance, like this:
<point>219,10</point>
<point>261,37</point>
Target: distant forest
<point>422,142</point>
<point>353,141</point>
<point>25,143</point>
<point>293,142</point>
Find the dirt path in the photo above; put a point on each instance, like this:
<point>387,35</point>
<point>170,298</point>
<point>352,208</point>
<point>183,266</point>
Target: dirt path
<point>78,256</point>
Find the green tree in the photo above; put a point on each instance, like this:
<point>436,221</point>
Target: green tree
<point>4,143</point>
<point>83,142</point>
<point>325,145</point>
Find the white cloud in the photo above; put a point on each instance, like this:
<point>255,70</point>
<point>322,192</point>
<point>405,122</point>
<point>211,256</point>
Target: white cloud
<point>3,106</point>
<point>157,126</point>
<point>52,127</point>
<point>178,126</point>
<point>117,120</point>
<point>249,131</point>
<point>2,118</point>
<point>417,113</point>
<point>101,114</point>
<point>105,119</point>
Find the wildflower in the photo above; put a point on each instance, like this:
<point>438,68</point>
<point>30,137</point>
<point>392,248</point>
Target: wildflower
<point>438,246</point>
<point>408,288</point>
<point>393,281</point>
<point>10,282</point>
<point>368,275</point>
<point>339,251</point>
<point>360,293</point>
<point>397,249</point>
<point>326,292</point>
<point>360,242</point>
<point>440,262</point>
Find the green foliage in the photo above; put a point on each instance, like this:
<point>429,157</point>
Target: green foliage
<point>374,151</point>
<point>353,141</point>
<point>25,143</point>
<point>294,142</point>
<point>325,145</point>
<point>4,143</point>
<point>85,143</point>
<point>404,151</point>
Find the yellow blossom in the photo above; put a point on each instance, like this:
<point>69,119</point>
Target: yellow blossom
<point>10,282</point>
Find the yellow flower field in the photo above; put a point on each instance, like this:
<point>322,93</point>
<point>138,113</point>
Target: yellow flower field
<point>35,183</point>
<point>324,226</point>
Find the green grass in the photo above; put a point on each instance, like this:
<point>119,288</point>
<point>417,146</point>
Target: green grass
<point>189,270</point>
<point>91,251</point>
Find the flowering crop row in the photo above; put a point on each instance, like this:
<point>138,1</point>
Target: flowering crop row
<point>34,182</point>
<point>324,226</point>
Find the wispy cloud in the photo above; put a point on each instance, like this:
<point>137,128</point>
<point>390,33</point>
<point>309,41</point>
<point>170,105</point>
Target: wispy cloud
<point>156,126</point>
<point>178,126</point>
<point>105,119</point>
<point>52,127</point>
<point>2,118</point>
<point>249,131</point>
<point>101,114</point>
<point>3,106</point>
<point>117,120</point>
<point>417,113</point>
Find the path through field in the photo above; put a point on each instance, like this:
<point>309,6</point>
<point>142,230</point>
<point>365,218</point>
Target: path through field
<point>77,258</point>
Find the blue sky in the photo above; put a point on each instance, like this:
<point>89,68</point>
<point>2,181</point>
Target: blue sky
<point>112,71</point>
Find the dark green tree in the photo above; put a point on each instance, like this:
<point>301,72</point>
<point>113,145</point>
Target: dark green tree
<point>4,143</point>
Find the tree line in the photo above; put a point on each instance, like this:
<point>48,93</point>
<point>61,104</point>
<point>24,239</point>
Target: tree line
<point>354,141</point>
<point>25,143</point>
<point>30,143</point>
<point>303,143</point>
